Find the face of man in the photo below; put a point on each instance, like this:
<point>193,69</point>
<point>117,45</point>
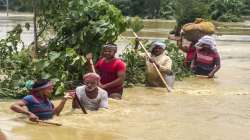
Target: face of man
<point>157,50</point>
<point>91,84</point>
<point>47,91</point>
<point>109,53</point>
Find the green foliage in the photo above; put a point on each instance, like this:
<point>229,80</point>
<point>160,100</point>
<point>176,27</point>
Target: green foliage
<point>135,73</point>
<point>145,8</point>
<point>136,24</point>
<point>14,65</point>
<point>178,58</point>
<point>227,10</point>
<point>80,26</point>
<point>188,10</point>
<point>20,5</point>
<point>76,27</point>
<point>8,46</point>
<point>246,8</point>
<point>167,9</point>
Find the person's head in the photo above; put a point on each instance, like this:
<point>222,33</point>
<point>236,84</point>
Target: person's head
<point>91,80</point>
<point>43,86</point>
<point>206,43</point>
<point>109,51</point>
<point>157,48</point>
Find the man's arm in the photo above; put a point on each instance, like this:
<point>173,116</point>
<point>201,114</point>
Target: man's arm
<point>179,42</point>
<point>216,68</point>
<point>18,107</point>
<point>166,66</point>
<point>57,110</point>
<point>104,101</point>
<point>118,81</point>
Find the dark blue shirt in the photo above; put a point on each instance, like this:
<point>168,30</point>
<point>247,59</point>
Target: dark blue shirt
<point>40,107</point>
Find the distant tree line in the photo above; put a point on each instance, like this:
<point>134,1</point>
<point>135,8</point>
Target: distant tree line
<point>221,10</point>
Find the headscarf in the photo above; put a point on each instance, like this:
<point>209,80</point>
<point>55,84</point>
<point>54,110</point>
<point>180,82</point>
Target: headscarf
<point>157,44</point>
<point>110,46</point>
<point>92,76</point>
<point>41,86</point>
<point>208,40</point>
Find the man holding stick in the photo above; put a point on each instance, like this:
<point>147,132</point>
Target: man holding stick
<point>111,70</point>
<point>163,62</point>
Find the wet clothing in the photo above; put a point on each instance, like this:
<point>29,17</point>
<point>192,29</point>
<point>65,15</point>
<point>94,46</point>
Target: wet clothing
<point>190,55</point>
<point>152,77</point>
<point>205,62</point>
<point>101,101</point>
<point>109,72</point>
<point>42,108</point>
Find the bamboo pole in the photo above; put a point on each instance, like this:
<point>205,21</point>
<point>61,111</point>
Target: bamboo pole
<point>156,68</point>
<point>81,106</point>
<point>92,65</point>
<point>51,123</point>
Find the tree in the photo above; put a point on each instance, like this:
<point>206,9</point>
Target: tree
<point>226,10</point>
<point>188,10</point>
<point>75,27</point>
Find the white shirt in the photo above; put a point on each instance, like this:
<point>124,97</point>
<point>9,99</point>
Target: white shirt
<point>101,101</point>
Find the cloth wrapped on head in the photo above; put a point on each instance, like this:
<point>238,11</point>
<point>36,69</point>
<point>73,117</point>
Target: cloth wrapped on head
<point>41,84</point>
<point>208,40</point>
<point>92,76</point>
<point>157,44</point>
<point>110,46</point>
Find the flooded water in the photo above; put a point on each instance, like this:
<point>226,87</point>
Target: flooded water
<point>198,109</point>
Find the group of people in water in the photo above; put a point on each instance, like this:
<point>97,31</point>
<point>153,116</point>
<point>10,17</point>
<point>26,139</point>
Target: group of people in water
<point>202,58</point>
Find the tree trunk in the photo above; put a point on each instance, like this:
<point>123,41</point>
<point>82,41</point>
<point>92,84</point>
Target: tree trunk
<point>34,49</point>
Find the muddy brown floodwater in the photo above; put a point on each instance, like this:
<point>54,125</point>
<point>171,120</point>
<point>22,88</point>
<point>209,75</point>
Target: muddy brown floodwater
<point>198,109</point>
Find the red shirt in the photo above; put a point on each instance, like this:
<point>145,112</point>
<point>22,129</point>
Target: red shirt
<point>190,55</point>
<point>109,72</point>
<point>207,60</point>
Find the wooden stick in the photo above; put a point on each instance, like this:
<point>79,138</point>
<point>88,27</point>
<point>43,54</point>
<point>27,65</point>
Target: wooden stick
<point>92,65</point>
<point>51,123</point>
<point>81,106</point>
<point>156,68</point>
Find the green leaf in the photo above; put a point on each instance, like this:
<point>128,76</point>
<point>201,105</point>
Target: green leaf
<point>70,52</point>
<point>54,55</point>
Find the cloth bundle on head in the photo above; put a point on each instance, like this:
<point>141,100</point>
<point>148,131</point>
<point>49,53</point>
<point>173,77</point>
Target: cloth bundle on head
<point>208,40</point>
<point>157,44</point>
<point>91,76</point>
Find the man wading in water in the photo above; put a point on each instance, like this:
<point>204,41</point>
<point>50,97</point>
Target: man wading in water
<point>162,61</point>
<point>207,59</point>
<point>90,95</point>
<point>38,103</point>
<point>112,71</point>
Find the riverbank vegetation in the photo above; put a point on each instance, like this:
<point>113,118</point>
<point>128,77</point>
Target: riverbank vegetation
<point>222,10</point>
